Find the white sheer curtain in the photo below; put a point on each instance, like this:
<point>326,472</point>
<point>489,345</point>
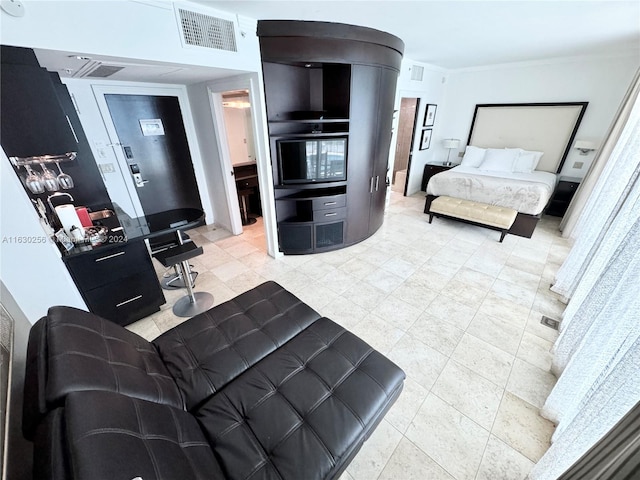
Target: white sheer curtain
<point>600,209</point>
<point>597,355</point>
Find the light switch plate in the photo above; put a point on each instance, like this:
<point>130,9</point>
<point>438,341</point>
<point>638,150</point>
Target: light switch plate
<point>107,168</point>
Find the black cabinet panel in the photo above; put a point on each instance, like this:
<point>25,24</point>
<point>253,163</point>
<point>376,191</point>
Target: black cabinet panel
<point>108,264</point>
<point>117,282</point>
<point>128,299</point>
<point>32,121</point>
<point>562,196</point>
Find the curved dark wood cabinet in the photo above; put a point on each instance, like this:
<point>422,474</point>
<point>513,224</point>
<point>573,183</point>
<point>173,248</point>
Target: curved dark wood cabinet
<point>330,81</point>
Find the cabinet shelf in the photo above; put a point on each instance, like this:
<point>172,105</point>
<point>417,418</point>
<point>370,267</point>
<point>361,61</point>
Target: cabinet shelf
<point>309,135</point>
<point>313,194</point>
<point>309,186</point>
<point>311,120</point>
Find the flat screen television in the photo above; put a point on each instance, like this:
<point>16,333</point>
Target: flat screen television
<point>316,160</point>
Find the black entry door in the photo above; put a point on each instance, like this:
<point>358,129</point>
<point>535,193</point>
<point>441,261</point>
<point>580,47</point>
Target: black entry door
<point>152,136</point>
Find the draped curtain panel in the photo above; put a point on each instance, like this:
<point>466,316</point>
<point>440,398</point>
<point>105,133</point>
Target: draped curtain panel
<point>601,159</point>
<point>609,192</point>
<point>597,355</point>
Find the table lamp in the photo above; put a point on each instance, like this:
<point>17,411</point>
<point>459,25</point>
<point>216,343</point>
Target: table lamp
<point>450,143</point>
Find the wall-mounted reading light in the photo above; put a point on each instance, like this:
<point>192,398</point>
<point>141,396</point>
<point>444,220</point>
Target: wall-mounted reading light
<point>450,143</point>
<point>584,146</point>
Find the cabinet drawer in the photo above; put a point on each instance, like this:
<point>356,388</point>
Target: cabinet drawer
<point>330,215</point>
<point>127,299</point>
<point>105,265</point>
<point>329,202</point>
<point>247,183</point>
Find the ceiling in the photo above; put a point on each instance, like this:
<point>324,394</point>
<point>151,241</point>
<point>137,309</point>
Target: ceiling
<point>449,34</point>
<point>458,34</point>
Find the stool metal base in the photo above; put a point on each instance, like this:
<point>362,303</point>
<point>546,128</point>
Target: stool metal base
<point>249,221</point>
<point>189,306</point>
<point>174,281</point>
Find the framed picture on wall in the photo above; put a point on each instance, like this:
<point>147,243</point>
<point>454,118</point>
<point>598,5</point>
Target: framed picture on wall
<point>425,139</point>
<point>430,115</point>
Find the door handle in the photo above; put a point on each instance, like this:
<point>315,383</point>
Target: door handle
<point>137,178</point>
<point>377,182</point>
<point>371,185</point>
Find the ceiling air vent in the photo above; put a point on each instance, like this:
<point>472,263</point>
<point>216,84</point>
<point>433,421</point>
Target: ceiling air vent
<point>201,30</point>
<point>104,71</point>
<point>417,72</point>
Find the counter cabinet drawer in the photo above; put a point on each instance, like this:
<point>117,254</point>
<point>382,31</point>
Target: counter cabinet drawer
<point>105,265</point>
<point>127,299</point>
<point>329,202</point>
<point>329,215</point>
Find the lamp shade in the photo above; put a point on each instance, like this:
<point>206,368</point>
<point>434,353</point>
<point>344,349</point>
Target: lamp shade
<point>585,145</point>
<point>451,143</point>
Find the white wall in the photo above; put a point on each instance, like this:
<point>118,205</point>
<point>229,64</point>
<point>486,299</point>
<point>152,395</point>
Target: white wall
<point>235,122</point>
<point>145,30</point>
<point>30,265</point>
<point>430,90</point>
<point>600,81</point>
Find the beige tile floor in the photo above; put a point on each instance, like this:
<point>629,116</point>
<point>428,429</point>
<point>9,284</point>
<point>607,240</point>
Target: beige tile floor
<point>458,311</point>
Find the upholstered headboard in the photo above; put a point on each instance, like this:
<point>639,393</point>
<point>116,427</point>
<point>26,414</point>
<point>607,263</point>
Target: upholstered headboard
<point>543,127</point>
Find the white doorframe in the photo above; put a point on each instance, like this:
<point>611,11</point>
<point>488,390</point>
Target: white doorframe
<point>179,91</point>
<point>253,83</point>
<point>217,110</point>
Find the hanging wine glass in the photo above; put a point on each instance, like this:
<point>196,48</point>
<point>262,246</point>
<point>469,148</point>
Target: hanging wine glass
<point>34,181</point>
<point>50,180</point>
<point>65,180</point>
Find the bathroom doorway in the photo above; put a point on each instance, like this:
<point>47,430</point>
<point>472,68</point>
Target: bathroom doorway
<point>404,146</point>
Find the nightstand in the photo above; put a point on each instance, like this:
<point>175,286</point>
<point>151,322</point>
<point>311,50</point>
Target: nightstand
<point>564,192</point>
<point>430,169</point>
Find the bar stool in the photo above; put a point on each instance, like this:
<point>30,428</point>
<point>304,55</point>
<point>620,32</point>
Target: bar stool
<point>194,302</point>
<point>171,281</point>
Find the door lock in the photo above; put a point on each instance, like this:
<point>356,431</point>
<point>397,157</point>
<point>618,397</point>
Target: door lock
<point>137,176</point>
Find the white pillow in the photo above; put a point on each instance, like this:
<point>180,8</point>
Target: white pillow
<point>473,156</point>
<point>527,161</point>
<point>499,159</point>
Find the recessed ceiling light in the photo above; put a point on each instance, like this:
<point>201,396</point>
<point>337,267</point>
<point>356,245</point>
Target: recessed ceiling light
<point>79,57</point>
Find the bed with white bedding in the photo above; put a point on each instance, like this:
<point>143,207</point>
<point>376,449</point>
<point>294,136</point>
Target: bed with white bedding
<point>527,193</point>
<point>513,155</point>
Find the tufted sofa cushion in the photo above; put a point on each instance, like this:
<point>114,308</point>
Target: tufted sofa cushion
<point>211,349</point>
<point>304,411</point>
<point>72,350</point>
<point>158,441</point>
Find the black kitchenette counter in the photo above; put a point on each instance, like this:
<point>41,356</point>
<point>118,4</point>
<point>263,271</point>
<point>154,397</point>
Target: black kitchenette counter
<point>139,228</point>
<point>116,279</point>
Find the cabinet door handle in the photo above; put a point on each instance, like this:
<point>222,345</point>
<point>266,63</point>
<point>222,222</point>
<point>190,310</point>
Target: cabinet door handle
<point>109,256</point>
<point>377,182</point>
<point>326,204</point>
<point>371,185</point>
<point>332,214</point>
<point>129,301</point>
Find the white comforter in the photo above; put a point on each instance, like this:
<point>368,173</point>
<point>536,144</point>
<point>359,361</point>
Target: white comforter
<point>524,192</point>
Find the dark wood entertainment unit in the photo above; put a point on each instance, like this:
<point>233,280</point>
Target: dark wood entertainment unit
<point>323,81</point>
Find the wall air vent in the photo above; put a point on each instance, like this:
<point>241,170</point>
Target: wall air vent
<point>201,30</point>
<point>417,72</point>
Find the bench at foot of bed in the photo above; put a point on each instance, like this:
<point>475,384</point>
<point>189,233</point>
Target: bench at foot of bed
<point>483,214</point>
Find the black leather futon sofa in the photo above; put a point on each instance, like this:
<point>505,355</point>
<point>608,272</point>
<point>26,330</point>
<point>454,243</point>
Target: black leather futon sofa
<point>259,387</point>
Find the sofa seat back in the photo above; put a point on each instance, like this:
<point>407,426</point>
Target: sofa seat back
<point>111,436</point>
<point>72,350</point>
<point>304,411</point>
<point>211,349</point>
